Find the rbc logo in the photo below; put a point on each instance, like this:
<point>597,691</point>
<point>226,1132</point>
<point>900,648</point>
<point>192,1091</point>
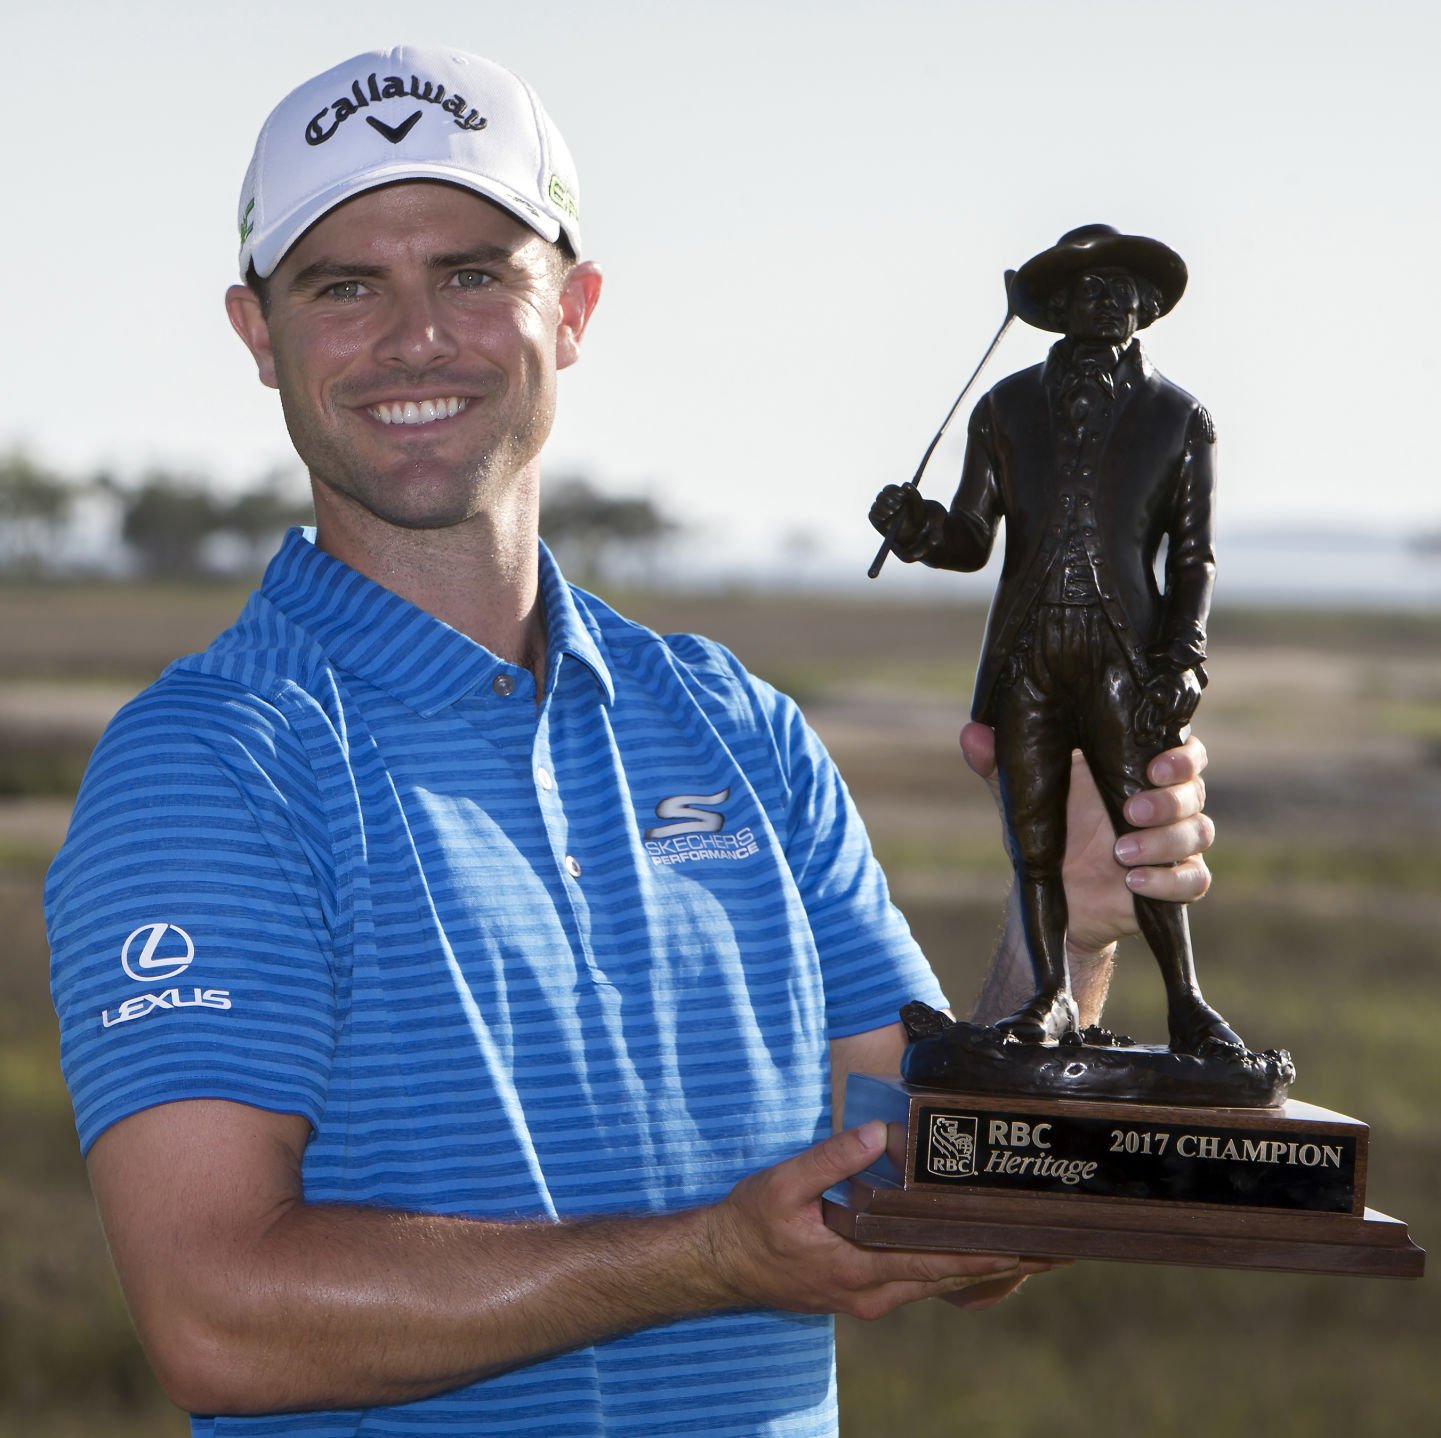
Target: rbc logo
<point>953,1145</point>
<point>142,957</point>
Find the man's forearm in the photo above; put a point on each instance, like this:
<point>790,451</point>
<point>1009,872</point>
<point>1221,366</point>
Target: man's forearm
<point>250,1300</point>
<point>1011,980</point>
<point>339,1306</point>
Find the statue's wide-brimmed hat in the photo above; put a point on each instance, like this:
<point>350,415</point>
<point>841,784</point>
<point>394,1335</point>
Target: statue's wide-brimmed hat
<point>1095,247</point>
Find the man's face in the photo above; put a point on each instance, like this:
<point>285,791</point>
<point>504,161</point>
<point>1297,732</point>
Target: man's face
<point>414,334</point>
<point>1103,306</point>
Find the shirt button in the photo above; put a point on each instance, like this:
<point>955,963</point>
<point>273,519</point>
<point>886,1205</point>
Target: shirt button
<point>572,866</point>
<point>503,685</point>
<point>542,777</point>
<point>1086,471</point>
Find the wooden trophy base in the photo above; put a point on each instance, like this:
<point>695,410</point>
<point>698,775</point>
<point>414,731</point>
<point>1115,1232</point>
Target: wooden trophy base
<point>1279,1188</point>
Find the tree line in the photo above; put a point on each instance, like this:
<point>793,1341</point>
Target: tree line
<point>171,524</point>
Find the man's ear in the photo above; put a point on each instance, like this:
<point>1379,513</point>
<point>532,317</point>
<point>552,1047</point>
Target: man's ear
<point>579,296</point>
<point>248,320</point>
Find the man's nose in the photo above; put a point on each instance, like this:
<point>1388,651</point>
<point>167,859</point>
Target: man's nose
<point>418,334</point>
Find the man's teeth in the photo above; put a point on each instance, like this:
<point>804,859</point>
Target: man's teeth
<point>423,411</point>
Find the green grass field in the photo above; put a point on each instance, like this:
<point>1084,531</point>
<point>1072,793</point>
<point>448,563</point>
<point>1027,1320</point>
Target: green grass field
<point>1321,936</point>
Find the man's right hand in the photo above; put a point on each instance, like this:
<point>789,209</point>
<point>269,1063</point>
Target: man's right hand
<point>917,521</point>
<point>772,1248</point>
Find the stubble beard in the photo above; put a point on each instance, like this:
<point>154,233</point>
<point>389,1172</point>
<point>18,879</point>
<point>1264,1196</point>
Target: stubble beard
<point>427,492</point>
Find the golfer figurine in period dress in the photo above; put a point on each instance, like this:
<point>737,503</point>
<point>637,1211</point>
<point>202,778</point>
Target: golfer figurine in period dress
<point>1095,462</point>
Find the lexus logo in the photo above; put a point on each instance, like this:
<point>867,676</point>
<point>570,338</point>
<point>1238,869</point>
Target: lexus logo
<point>157,951</point>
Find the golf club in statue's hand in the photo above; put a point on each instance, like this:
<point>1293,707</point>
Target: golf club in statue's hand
<point>903,510</point>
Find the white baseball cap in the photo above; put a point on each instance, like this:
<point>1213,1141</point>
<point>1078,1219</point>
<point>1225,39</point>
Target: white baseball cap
<point>409,113</point>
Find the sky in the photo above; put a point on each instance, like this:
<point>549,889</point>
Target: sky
<point>804,212</point>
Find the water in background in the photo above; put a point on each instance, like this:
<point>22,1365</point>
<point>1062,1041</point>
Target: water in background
<point>1311,569</point>
<point>1330,569</point>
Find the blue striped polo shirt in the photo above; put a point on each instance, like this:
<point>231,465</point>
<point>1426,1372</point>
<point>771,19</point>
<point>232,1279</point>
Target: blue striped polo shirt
<point>509,959</point>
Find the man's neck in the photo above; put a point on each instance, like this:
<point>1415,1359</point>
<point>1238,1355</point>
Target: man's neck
<point>480,577</point>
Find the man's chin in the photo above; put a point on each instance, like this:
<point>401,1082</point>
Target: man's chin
<point>416,512</point>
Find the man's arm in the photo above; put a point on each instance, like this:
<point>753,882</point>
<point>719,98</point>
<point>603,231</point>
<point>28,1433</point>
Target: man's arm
<point>248,1299</point>
<point>1163,858</point>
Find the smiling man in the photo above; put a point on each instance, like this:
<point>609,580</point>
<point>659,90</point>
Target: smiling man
<point>452,974</point>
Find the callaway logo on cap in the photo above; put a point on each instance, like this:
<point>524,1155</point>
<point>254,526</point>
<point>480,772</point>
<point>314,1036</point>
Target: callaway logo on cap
<point>411,113</point>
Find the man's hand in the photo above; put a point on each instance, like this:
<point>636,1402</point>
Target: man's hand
<point>1162,858</point>
<point>773,1250</point>
<point>251,1300</point>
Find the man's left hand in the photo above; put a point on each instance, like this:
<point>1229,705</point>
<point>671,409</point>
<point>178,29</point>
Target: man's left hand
<point>1162,858</point>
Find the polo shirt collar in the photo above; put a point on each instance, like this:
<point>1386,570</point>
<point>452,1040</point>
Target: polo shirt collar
<point>371,632</point>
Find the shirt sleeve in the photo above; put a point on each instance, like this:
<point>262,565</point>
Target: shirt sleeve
<point>870,963</point>
<point>190,914</point>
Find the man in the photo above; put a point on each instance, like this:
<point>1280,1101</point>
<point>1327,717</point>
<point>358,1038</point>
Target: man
<point>1093,460</point>
<point>451,973</point>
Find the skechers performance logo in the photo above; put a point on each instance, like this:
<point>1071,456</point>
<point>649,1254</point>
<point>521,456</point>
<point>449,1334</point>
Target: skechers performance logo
<point>373,90</point>
<point>694,833</point>
<point>152,954</point>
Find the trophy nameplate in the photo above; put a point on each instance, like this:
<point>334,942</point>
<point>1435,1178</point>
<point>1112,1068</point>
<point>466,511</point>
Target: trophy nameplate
<point>1273,1188</point>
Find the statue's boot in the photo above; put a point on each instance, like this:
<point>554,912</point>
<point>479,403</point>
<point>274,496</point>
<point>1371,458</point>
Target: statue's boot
<point>1050,1016</point>
<point>1052,1013</point>
<point>1194,1025</point>
<point>1192,1021</point>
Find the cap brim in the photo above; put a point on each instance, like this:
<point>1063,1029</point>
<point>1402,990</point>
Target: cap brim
<point>270,245</point>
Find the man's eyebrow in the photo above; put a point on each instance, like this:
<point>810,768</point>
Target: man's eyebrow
<point>330,271</point>
<point>476,258</point>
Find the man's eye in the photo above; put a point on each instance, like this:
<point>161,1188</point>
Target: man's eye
<point>473,279</point>
<point>344,290</point>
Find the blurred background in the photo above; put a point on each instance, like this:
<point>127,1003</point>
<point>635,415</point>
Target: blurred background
<point>804,212</point>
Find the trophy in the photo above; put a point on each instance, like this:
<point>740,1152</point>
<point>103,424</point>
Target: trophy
<point>1033,1135</point>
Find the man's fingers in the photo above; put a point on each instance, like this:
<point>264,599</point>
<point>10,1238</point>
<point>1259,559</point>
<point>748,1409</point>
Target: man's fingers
<point>1176,766</point>
<point>1154,808</point>
<point>1167,843</point>
<point>1180,884</point>
<point>971,1291</point>
<point>978,745</point>
<point>894,1278</point>
<point>987,1292</point>
<point>806,1176</point>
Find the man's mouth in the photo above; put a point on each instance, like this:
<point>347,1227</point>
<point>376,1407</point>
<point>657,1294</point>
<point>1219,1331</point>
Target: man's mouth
<point>417,411</point>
